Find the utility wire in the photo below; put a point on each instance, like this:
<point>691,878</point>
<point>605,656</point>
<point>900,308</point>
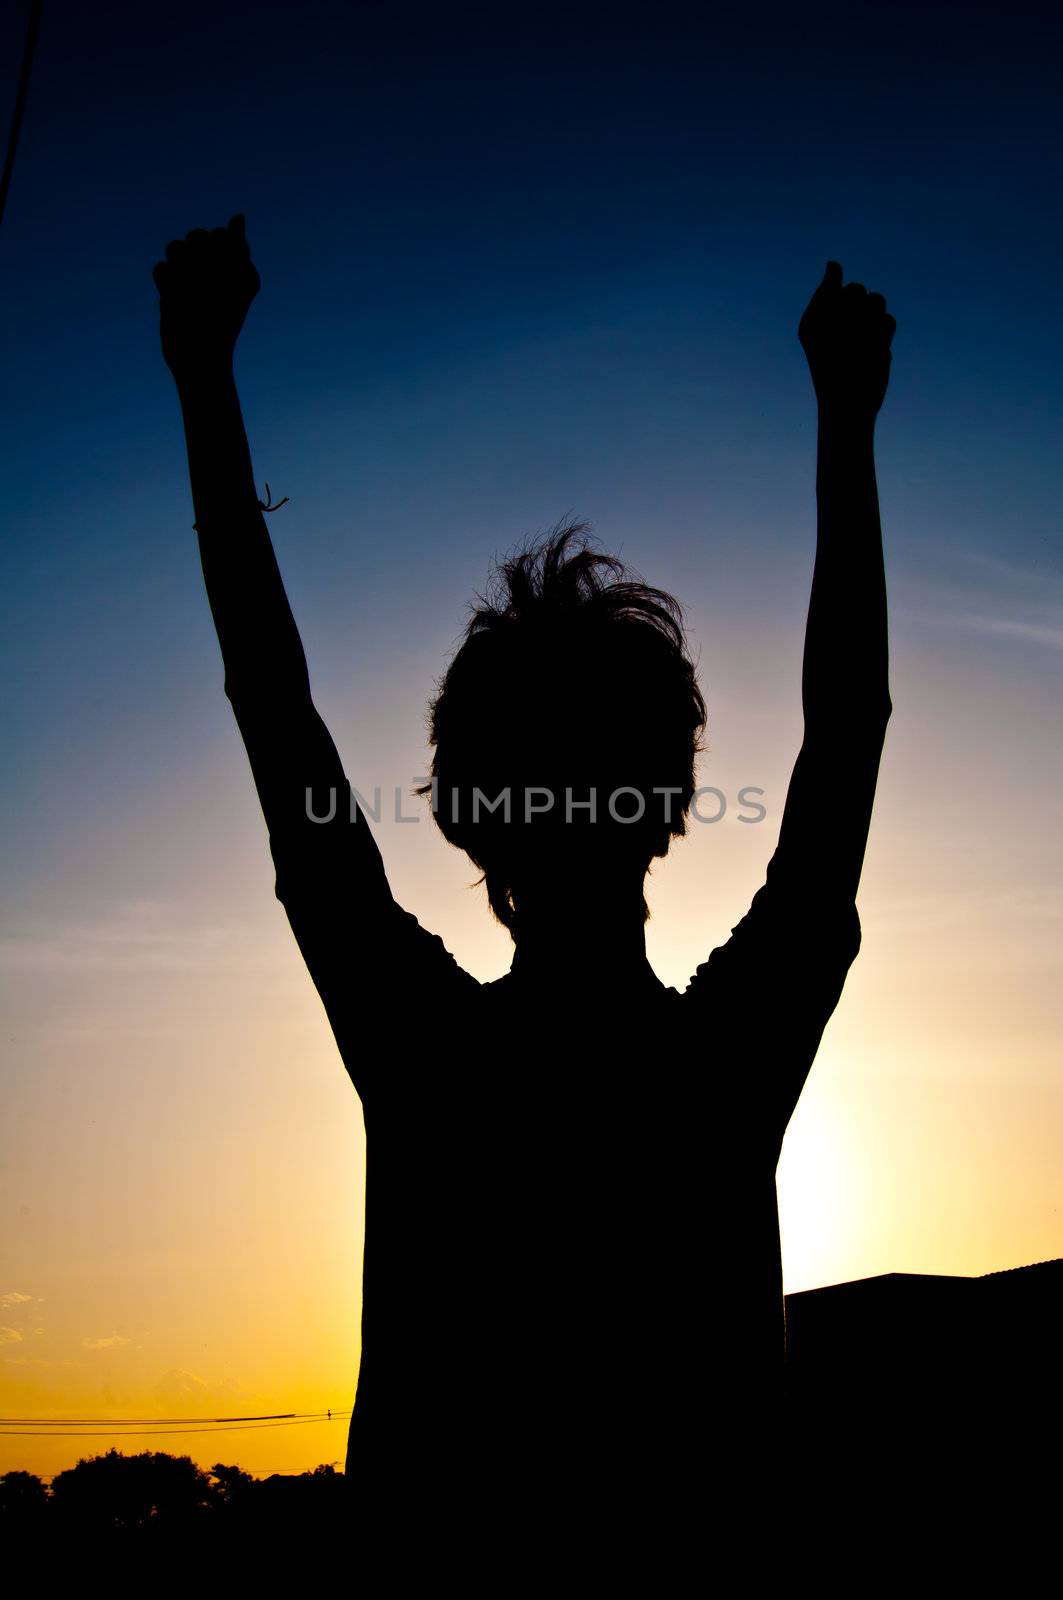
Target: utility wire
<point>20,100</point>
<point>132,1433</point>
<point>122,1421</point>
<point>263,1416</point>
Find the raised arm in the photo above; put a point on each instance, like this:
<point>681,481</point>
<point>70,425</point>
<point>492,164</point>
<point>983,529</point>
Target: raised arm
<point>330,878</point>
<point>780,975</point>
<point>846,334</point>
<point>206,285</point>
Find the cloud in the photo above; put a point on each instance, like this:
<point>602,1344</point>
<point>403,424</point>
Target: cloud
<point>14,1299</point>
<point>967,907</point>
<point>135,937</point>
<point>988,595</point>
<point>180,1385</point>
<point>1032,582</point>
<point>10,1336</point>
<point>181,1389</point>
<point>1050,634</point>
<point>104,1344</point>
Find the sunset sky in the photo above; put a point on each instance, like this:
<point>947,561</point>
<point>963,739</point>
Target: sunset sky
<point>507,276</point>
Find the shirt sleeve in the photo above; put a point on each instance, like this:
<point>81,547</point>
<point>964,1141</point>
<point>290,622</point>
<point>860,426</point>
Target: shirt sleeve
<point>769,992</point>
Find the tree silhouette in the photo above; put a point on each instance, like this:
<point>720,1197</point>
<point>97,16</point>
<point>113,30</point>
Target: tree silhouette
<point>231,1485</point>
<point>115,1491</point>
<point>22,1494</point>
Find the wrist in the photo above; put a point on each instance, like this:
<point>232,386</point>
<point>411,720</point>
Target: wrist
<point>203,376</point>
<point>839,419</point>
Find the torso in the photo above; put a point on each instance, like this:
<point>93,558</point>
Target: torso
<point>572,1252</point>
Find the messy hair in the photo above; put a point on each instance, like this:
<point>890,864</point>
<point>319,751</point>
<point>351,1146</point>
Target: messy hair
<point>573,675</point>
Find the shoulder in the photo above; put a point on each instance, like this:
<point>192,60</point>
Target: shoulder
<point>782,939</point>
<point>424,954</point>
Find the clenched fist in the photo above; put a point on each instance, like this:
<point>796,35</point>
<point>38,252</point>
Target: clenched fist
<point>846,335</point>
<point>206,285</point>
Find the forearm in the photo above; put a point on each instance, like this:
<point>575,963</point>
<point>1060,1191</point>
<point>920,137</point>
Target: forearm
<point>206,285</point>
<point>845,680</point>
<point>261,649</point>
<point>846,334</point>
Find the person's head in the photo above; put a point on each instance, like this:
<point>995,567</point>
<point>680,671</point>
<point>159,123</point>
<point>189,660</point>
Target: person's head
<point>572,680</point>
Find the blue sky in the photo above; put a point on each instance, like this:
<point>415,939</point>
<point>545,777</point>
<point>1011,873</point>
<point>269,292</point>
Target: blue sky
<point>508,272</point>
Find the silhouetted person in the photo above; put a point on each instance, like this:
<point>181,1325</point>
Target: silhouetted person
<point>572,1331</point>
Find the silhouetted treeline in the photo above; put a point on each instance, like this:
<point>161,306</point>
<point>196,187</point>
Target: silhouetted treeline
<point>159,1501</point>
<point>847,1495</point>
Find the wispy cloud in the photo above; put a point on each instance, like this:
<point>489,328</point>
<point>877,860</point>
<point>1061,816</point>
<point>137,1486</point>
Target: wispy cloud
<point>1038,900</point>
<point>988,595</point>
<point>15,1299</point>
<point>10,1336</point>
<point>135,937</point>
<point>178,1384</point>
<point>1033,632</point>
<point>181,1389</point>
<point>104,1344</point>
<point>1033,582</point>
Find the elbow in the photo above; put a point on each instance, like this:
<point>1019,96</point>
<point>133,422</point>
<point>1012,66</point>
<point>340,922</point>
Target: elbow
<point>852,720</point>
<point>264,684</point>
<point>873,721</point>
<point>872,707</point>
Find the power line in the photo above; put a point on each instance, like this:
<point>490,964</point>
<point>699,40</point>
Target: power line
<point>164,1433</point>
<point>20,100</point>
<point>126,1427</point>
<point>263,1416</point>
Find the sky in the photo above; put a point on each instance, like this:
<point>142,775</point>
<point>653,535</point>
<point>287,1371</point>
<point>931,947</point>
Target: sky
<point>511,271</point>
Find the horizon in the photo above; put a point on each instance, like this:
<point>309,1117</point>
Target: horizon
<point>266,1472</point>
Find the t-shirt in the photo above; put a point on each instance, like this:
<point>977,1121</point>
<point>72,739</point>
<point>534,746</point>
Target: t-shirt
<point>572,1291</point>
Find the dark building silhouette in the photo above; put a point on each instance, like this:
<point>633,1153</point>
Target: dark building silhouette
<point>928,1332</point>
<point>934,1382</point>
